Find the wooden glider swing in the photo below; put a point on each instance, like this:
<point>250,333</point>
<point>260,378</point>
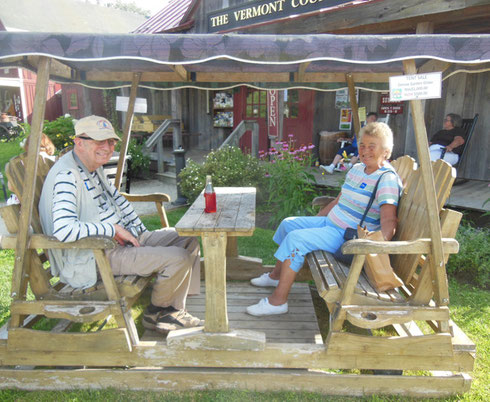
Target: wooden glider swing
<point>117,357</point>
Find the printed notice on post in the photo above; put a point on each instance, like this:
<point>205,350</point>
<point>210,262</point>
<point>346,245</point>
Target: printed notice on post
<point>417,86</point>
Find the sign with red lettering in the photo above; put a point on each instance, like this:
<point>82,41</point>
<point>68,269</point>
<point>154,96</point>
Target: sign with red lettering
<point>272,113</point>
<point>387,107</point>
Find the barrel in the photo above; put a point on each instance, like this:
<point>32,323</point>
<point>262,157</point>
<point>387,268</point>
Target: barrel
<point>329,146</point>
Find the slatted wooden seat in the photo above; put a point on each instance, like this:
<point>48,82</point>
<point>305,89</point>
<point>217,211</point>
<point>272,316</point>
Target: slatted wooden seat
<point>111,295</point>
<point>349,295</point>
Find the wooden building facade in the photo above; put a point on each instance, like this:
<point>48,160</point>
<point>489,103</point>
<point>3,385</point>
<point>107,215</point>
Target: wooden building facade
<point>309,112</point>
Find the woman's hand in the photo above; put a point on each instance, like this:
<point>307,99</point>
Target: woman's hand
<point>123,237</point>
<point>327,208</point>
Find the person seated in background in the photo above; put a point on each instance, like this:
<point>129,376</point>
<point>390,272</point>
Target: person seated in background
<point>348,149</point>
<point>5,121</point>
<point>447,144</point>
<point>78,201</point>
<point>46,150</point>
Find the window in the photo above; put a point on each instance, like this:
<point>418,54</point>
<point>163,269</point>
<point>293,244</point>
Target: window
<point>291,103</point>
<point>72,96</point>
<point>256,103</point>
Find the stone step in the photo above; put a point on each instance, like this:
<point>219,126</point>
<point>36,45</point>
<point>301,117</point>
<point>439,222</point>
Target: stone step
<point>167,177</point>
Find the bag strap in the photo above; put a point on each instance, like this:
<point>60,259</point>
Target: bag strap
<point>373,194</point>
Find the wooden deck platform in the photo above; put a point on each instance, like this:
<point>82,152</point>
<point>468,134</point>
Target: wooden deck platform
<point>470,195</point>
<point>299,325</point>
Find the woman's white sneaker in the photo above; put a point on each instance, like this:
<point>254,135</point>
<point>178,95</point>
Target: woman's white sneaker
<point>264,280</point>
<point>263,307</point>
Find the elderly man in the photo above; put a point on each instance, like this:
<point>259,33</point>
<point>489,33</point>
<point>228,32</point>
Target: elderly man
<point>78,201</point>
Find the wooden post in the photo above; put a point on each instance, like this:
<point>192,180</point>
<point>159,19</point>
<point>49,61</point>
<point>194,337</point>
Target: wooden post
<point>280,115</point>
<point>20,274</point>
<point>176,106</point>
<point>436,259</point>
<point>127,130</point>
<point>353,104</point>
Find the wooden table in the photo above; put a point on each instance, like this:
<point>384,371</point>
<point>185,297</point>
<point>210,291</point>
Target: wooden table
<point>235,216</point>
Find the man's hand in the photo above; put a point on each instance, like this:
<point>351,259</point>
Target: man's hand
<point>123,237</point>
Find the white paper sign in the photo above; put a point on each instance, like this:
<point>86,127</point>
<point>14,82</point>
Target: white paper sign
<point>122,103</point>
<point>417,86</point>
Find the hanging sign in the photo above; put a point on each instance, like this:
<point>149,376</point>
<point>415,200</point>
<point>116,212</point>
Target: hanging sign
<point>387,107</point>
<point>416,86</point>
<point>362,113</point>
<point>272,113</point>
<point>345,119</point>
<point>342,99</point>
<point>122,103</point>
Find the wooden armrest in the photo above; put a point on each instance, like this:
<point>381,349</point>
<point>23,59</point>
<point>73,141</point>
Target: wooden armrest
<point>156,197</point>
<point>322,200</point>
<point>419,246</point>
<point>48,242</point>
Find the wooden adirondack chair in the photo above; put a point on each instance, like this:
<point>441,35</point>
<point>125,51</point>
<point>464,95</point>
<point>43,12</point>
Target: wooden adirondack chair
<point>349,295</point>
<point>112,295</point>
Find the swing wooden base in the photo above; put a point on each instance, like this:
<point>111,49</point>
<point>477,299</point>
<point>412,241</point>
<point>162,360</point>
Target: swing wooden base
<point>192,379</point>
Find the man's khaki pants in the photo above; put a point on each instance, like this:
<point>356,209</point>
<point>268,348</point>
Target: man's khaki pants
<point>174,259</point>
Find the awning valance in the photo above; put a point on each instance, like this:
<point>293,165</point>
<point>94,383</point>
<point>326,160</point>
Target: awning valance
<point>218,61</point>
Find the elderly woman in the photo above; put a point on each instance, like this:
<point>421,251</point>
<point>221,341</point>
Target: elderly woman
<point>298,236</point>
<point>448,143</point>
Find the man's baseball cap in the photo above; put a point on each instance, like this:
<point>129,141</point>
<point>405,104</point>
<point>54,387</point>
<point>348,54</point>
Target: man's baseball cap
<point>96,127</point>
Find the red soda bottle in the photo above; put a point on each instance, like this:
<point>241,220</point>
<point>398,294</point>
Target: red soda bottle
<point>209,196</point>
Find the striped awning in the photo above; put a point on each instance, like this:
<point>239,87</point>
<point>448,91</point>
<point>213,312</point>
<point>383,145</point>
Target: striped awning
<point>167,19</point>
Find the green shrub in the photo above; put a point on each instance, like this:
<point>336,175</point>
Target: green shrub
<point>140,162</point>
<point>61,131</point>
<point>290,184</point>
<point>472,263</point>
<point>228,166</point>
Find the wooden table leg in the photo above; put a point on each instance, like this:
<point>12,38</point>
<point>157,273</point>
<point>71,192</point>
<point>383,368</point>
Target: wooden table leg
<point>231,247</point>
<point>214,248</point>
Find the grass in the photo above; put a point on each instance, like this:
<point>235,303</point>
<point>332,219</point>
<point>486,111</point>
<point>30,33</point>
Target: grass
<point>7,151</point>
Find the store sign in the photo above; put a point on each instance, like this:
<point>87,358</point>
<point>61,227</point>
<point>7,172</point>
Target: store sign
<point>261,11</point>
<point>416,86</point>
<point>387,107</point>
<point>122,103</point>
<point>272,113</point>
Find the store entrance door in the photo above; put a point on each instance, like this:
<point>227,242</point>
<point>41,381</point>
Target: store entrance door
<point>251,104</point>
<point>298,115</point>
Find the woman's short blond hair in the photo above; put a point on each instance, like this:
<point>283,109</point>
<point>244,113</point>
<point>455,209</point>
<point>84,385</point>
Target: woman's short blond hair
<point>382,131</point>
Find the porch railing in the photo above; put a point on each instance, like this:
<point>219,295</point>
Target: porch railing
<point>244,126</point>
<point>156,139</point>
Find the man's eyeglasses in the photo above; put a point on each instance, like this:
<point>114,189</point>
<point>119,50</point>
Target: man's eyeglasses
<point>111,141</point>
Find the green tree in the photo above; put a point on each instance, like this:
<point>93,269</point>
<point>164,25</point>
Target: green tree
<point>131,7</point>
